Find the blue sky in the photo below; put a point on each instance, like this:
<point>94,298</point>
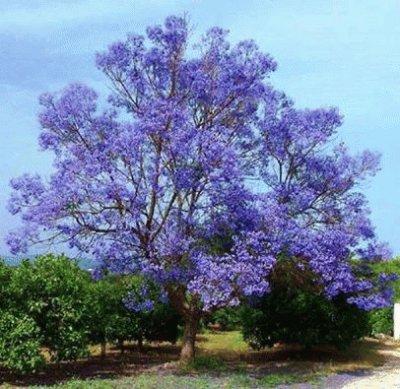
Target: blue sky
<point>329,53</point>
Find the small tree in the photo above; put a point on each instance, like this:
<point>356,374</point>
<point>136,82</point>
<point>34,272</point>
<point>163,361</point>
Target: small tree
<point>53,292</point>
<point>297,311</point>
<point>105,299</point>
<point>381,320</point>
<point>156,319</point>
<point>227,319</point>
<point>20,343</point>
<point>195,148</point>
<point>115,317</point>
<point>6,294</point>
<point>111,320</point>
<point>20,337</point>
<point>163,324</point>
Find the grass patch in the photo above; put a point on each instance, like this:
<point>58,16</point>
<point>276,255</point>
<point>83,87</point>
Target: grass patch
<point>204,363</point>
<point>230,347</point>
<point>223,361</point>
<point>170,381</point>
<point>272,380</point>
<point>224,344</point>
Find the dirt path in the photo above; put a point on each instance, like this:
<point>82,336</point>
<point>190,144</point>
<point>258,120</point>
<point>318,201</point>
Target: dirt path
<point>384,377</point>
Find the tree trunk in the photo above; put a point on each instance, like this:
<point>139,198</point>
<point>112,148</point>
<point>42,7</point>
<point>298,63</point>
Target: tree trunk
<point>191,313</point>
<point>140,344</point>
<point>189,338</point>
<point>103,350</point>
<point>121,345</point>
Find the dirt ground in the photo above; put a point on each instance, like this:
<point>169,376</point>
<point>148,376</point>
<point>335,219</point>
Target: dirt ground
<point>384,377</point>
<point>371,362</point>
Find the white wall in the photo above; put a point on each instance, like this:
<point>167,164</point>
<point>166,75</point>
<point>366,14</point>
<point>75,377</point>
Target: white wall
<point>396,321</point>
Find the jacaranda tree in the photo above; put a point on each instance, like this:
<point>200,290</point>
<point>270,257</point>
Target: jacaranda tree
<point>200,176</point>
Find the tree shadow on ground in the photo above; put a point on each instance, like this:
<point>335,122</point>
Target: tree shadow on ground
<point>157,357</point>
<point>114,365</point>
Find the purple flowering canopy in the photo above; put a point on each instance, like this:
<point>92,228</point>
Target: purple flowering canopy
<point>199,175</point>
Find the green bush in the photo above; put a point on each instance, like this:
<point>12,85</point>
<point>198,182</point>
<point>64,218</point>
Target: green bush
<point>388,267</point>
<point>20,343</point>
<point>58,306</point>
<point>381,321</point>
<point>304,319</point>
<point>6,296</point>
<point>204,362</point>
<point>113,321</point>
<point>105,300</point>
<point>110,320</point>
<point>53,291</point>
<point>296,311</point>
<point>159,323</point>
<point>228,319</point>
<point>163,325</point>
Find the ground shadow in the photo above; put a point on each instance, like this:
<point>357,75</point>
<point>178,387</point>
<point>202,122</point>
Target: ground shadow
<point>114,365</point>
<point>153,358</point>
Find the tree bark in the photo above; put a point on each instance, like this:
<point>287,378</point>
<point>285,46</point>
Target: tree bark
<point>140,344</point>
<point>191,314</point>
<point>103,350</point>
<point>121,345</point>
<point>189,338</point>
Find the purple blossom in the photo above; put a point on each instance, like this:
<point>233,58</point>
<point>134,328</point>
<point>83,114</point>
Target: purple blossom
<point>199,176</point>
<point>135,305</point>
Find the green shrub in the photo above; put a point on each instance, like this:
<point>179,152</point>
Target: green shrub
<point>204,362</point>
<point>113,321</point>
<point>388,267</point>
<point>64,310</point>
<point>105,301</point>
<point>296,311</point>
<point>53,291</point>
<point>20,343</point>
<point>228,319</point>
<point>159,323</point>
<point>163,324</point>
<point>381,321</point>
<point>304,319</point>
<point>6,273</point>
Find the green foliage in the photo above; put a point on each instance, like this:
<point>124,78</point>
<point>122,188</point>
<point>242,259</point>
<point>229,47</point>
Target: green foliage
<point>114,322</point>
<point>381,321</point>
<point>296,311</point>
<point>203,362</point>
<point>163,324</point>
<point>106,308</point>
<point>228,319</point>
<point>389,267</point>
<point>304,319</point>
<point>53,292</point>
<point>20,343</point>
<point>6,273</point>
<point>56,305</point>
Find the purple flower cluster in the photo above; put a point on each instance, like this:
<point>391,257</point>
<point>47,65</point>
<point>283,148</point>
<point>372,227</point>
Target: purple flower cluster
<point>199,175</point>
<point>139,301</point>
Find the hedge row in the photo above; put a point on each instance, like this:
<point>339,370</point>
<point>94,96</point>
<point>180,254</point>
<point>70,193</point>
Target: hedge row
<point>296,311</point>
<point>51,303</point>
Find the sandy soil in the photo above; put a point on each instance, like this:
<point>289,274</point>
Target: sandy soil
<point>384,377</point>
